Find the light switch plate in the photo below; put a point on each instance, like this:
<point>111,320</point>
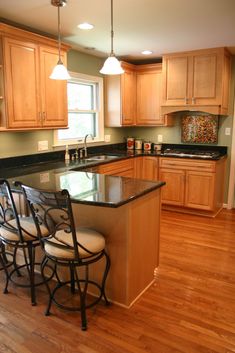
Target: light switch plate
<point>107,138</point>
<point>227,131</point>
<point>159,138</point>
<point>42,145</point>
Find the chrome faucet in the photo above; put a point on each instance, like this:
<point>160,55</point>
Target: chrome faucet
<point>85,144</point>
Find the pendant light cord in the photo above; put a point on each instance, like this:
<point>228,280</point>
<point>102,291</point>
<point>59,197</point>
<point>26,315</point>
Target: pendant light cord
<point>112,32</point>
<point>59,37</point>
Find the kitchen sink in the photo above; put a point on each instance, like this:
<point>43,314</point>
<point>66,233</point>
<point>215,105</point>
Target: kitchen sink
<point>103,157</point>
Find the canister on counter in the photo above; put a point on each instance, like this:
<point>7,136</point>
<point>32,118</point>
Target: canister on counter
<point>130,143</point>
<point>157,147</point>
<point>138,144</point>
<point>147,146</point>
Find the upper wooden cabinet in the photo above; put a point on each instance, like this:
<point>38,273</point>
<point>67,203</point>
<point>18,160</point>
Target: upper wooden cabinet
<point>134,98</point>
<point>148,94</point>
<point>30,100</point>
<point>120,98</point>
<point>197,81</point>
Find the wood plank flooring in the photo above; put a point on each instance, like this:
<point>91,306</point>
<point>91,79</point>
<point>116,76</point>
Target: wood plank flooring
<point>190,309</point>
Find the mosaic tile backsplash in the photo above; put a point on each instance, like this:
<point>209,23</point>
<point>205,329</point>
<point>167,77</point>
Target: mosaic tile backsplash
<point>199,129</point>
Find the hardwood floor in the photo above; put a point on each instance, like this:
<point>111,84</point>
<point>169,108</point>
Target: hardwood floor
<point>190,309</point>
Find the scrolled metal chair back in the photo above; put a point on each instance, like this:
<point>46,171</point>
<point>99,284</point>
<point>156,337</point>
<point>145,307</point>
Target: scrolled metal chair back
<point>8,211</point>
<point>53,209</point>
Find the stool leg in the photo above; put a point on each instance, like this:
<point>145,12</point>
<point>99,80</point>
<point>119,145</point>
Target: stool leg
<point>72,280</point>
<point>31,253</point>
<point>3,264</point>
<point>105,277</point>
<point>82,294</point>
<point>43,265</point>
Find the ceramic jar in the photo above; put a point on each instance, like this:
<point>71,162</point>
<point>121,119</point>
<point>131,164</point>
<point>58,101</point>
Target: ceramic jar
<point>147,146</point>
<point>130,143</point>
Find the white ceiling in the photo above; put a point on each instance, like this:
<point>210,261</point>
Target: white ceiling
<point>162,26</point>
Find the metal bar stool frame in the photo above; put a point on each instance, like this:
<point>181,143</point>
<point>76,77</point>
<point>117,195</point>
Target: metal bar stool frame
<point>43,204</point>
<point>9,213</point>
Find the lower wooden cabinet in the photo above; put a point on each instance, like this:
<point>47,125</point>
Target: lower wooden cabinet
<point>120,168</point>
<point>193,184</point>
<point>150,168</point>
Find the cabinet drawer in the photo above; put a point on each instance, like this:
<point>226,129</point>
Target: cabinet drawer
<point>186,164</point>
<point>116,168</point>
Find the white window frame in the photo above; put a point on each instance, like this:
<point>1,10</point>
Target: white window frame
<point>78,77</point>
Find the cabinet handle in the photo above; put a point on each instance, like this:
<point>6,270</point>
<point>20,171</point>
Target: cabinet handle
<point>40,116</point>
<point>186,100</point>
<point>44,116</point>
<point>193,100</point>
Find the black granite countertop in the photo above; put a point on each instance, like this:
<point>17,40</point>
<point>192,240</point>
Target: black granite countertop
<point>90,188</point>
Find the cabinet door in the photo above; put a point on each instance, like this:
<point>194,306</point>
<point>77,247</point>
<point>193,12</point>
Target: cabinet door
<point>173,191</point>
<point>199,191</point>
<point>21,83</point>
<point>175,80</point>
<point>149,87</point>
<point>128,100</point>
<point>54,92</point>
<point>138,167</point>
<point>206,79</point>
<point>150,168</point>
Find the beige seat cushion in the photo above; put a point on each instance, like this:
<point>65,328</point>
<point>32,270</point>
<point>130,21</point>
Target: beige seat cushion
<point>87,237</point>
<point>28,224</point>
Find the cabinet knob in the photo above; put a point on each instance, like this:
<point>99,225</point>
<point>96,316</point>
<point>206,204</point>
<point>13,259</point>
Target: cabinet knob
<point>40,116</point>
<point>193,100</point>
<point>44,116</point>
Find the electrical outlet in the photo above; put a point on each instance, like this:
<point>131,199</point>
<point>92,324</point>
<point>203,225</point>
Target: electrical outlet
<point>159,138</point>
<point>42,145</point>
<point>227,131</point>
<point>107,138</point>
<point>44,177</point>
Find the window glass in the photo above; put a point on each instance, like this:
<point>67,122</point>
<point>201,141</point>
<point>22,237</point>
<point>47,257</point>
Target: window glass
<point>85,110</point>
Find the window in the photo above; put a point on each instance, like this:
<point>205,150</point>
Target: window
<point>85,110</point>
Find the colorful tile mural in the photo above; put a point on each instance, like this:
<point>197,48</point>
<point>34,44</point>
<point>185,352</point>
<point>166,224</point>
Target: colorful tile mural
<point>199,129</point>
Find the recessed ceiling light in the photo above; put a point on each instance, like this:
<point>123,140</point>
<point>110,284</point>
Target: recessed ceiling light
<point>146,52</point>
<point>85,25</point>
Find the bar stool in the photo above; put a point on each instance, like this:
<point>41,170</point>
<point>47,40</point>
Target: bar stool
<point>68,247</point>
<point>17,232</point>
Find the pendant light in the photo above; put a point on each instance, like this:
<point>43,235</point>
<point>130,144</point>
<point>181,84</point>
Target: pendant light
<point>60,71</point>
<point>111,65</point>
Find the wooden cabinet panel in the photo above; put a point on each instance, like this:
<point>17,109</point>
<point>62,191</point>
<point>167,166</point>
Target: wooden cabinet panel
<point>53,92</point>
<point>30,99</point>
<point>138,167</point>
<point>121,168</point>
<point>134,98</point>
<point>149,98</point>
<point>205,88</point>
<point>175,80</point>
<point>193,184</point>
<point>22,83</point>
<point>197,81</point>
<point>128,93</point>
<point>173,191</point>
<point>150,168</point>
<point>199,191</point>
<point>120,98</point>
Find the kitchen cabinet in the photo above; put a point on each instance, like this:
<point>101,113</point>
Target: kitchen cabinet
<point>120,97</point>
<point>31,100</point>
<point>148,101</point>
<point>195,186</point>
<point>196,80</point>
<point>150,168</point>
<point>120,168</point>
<point>134,98</point>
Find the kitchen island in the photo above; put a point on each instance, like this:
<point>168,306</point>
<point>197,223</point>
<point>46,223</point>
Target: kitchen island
<point>126,211</point>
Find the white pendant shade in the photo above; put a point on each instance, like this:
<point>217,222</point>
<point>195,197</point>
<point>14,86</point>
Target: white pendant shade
<point>60,73</point>
<point>112,67</point>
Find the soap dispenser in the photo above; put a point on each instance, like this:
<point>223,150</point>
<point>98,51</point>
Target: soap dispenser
<point>67,156</point>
